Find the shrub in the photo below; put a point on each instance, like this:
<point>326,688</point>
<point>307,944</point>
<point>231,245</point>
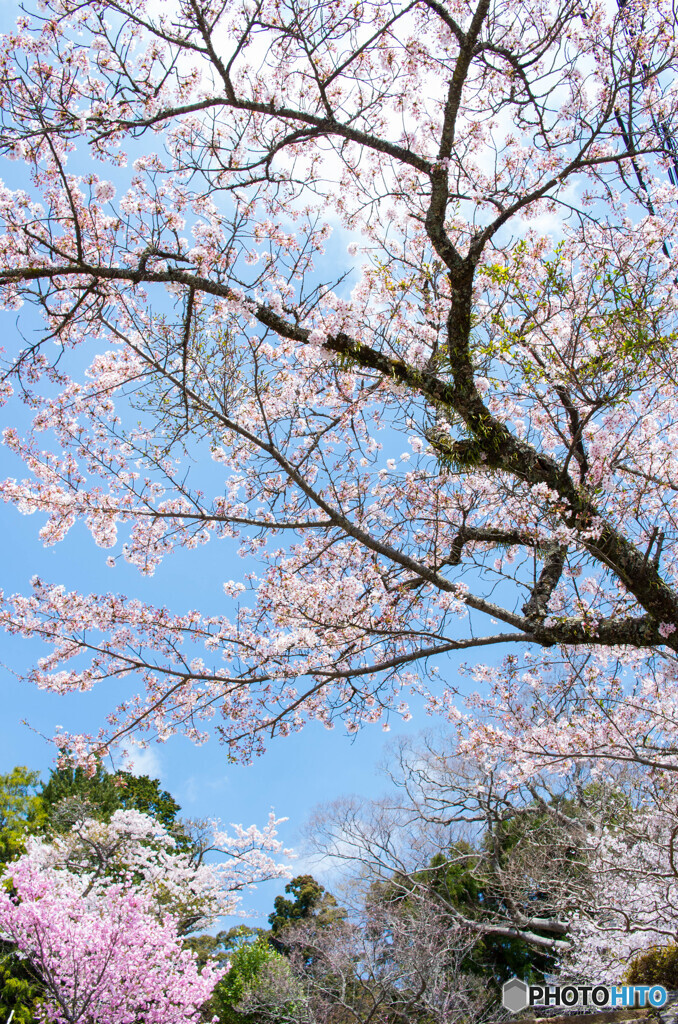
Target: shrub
<point>656,966</point>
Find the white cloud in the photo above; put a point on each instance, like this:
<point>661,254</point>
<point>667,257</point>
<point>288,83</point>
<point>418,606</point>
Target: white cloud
<point>144,761</point>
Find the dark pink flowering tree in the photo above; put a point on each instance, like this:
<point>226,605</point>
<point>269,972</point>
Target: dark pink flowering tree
<point>194,887</point>
<point>468,443</point>
<point>98,913</point>
<point>103,957</point>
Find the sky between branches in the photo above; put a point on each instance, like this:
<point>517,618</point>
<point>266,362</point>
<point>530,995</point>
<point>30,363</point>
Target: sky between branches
<point>308,768</point>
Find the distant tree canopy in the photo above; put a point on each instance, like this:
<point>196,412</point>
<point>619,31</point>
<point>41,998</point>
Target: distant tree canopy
<point>310,899</point>
<point>106,792</point>
<point>21,810</point>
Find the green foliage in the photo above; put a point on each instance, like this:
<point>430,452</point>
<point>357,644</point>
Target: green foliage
<point>623,327</point>
<point>464,879</point>
<point>104,793</point>
<point>610,807</point>
<point>310,900</point>
<point>221,947</point>
<point>657,966</point>
<point>248,962</point>
<point>21,810</point>
<point>19,989</point>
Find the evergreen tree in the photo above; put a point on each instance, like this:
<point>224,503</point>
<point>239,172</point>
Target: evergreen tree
<point>311,899</point>
<point>21,810</point>
<point>104,793</point>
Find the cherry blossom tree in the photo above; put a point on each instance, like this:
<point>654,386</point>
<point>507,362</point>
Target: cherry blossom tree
<point>460,434</point>
<point>181,883</point>
<point>634,897</point>
<point>99,913</point>
<point>568,874</point>
<point>100,957</point>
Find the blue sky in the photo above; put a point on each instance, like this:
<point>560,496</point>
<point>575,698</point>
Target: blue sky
<point>296,774</point>
<point>311,767</point>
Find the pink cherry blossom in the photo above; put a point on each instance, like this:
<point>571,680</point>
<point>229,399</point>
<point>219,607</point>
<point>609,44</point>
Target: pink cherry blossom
<point>499,174</point>
<point>102,957</point>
